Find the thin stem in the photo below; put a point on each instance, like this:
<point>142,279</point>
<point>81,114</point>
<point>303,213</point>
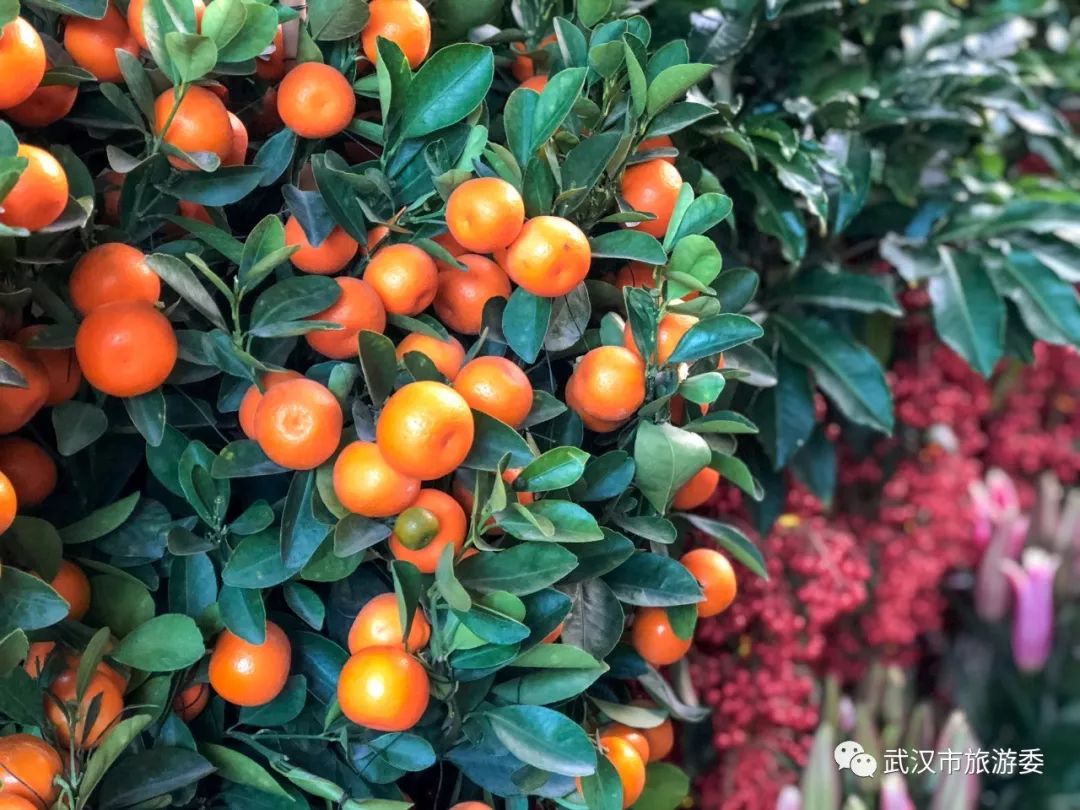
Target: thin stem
<point>178,98</point>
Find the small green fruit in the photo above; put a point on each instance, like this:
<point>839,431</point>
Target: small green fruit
<point>416,527</point>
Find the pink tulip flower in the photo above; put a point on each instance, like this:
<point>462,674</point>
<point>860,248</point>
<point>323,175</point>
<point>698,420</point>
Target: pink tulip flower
<point>894,793</point>
<point>1033,612</point>
<point>991,586</point>
<point>789,799</point>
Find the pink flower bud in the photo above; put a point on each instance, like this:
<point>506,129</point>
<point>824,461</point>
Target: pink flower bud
<point>991,585</point>
<point>894,793</point>
<point>1033,614</point>
<point>982,513</point>
<point>846,719</point>
<point>993,502</point>
<point>1002,491</point>
<point>1018,533</point>
<point>789,799</point>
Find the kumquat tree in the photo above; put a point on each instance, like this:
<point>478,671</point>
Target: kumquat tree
<point>358,383</point>
<point>392,391</point>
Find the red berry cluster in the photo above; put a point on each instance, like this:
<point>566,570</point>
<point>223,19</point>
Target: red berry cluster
<point>756,664</point>
<point>865,583</point>
<point>1037,427</point>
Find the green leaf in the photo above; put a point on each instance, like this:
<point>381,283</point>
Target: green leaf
<point>320,660</point>
<point>630,245</point>
<point>13,650</point>
<point>677,117</point>
<point>603,790</point>
<point>638,82</point>
<point>785,412</point>
<point>163,644</point>
<point>192,585</point>
<point>818,286</point>
<point>449,86</point>
<point>736,471</point>
<point>355,533</point>
<point>596,559</point>
<point>703,214</point>
<point>666,787</point>
<point>305,603</point>
<point>697,257</point>
<point>243,613</point>
<point>281,710</point>
<point>224,186</point>
<point>666,458</point>
<point>293,299</point>
<point>556,469</point>
<point>815,465</point>
<point>492,441</point>
<point>119,603</point>
<point>256,562</point>
<point>27,603</point>
<point>631,715</point>
<point>584,165</point>
<point>392,755</point>
<point>569,522</point>
<point>77,425</point>
<point>672,84</point>
<point>181,279</point>
<point>147,774</point>
<point>213,237</point>
<point>147,413</point>
<point>112,745</point>
<point>595,622</point>
<point>235,767</point>
<point>525,323</point>
<point>253,38</point>
<point>776,214</point>
<point>336,20</point>
<point>549,686</point>
<point>544,738</point>
<point>243,459</point>
<point>848,374</point>
<point>520,570</point>
<point>1048,306</point>
<point>714,335</point>
<point>193,56</point>
<point>275,155</point>
<point>302,532</point>
<point>590,12</point>
<point>722,36</point>
<point>652,580</point>
<point>557,99</point>
<point>37,544</point>
<point>607,476</point>
<point>968,314</point>
<point>379,364</point>
<point>799,174</point>
<point>703,389</point>
<point>731,540</point>
<point>223,22</point>
<point>447,582</point>
<point>259,252</point>
<point>491,619</point>
<point>408,583</point>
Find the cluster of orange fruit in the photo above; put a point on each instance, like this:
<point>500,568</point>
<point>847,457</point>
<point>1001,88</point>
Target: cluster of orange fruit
<point>30,766</point>
<point>382,686</point>
<point>124,346</point>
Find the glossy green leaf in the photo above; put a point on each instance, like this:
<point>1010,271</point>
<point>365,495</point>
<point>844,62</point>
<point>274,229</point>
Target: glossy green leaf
<point>848,374</point>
